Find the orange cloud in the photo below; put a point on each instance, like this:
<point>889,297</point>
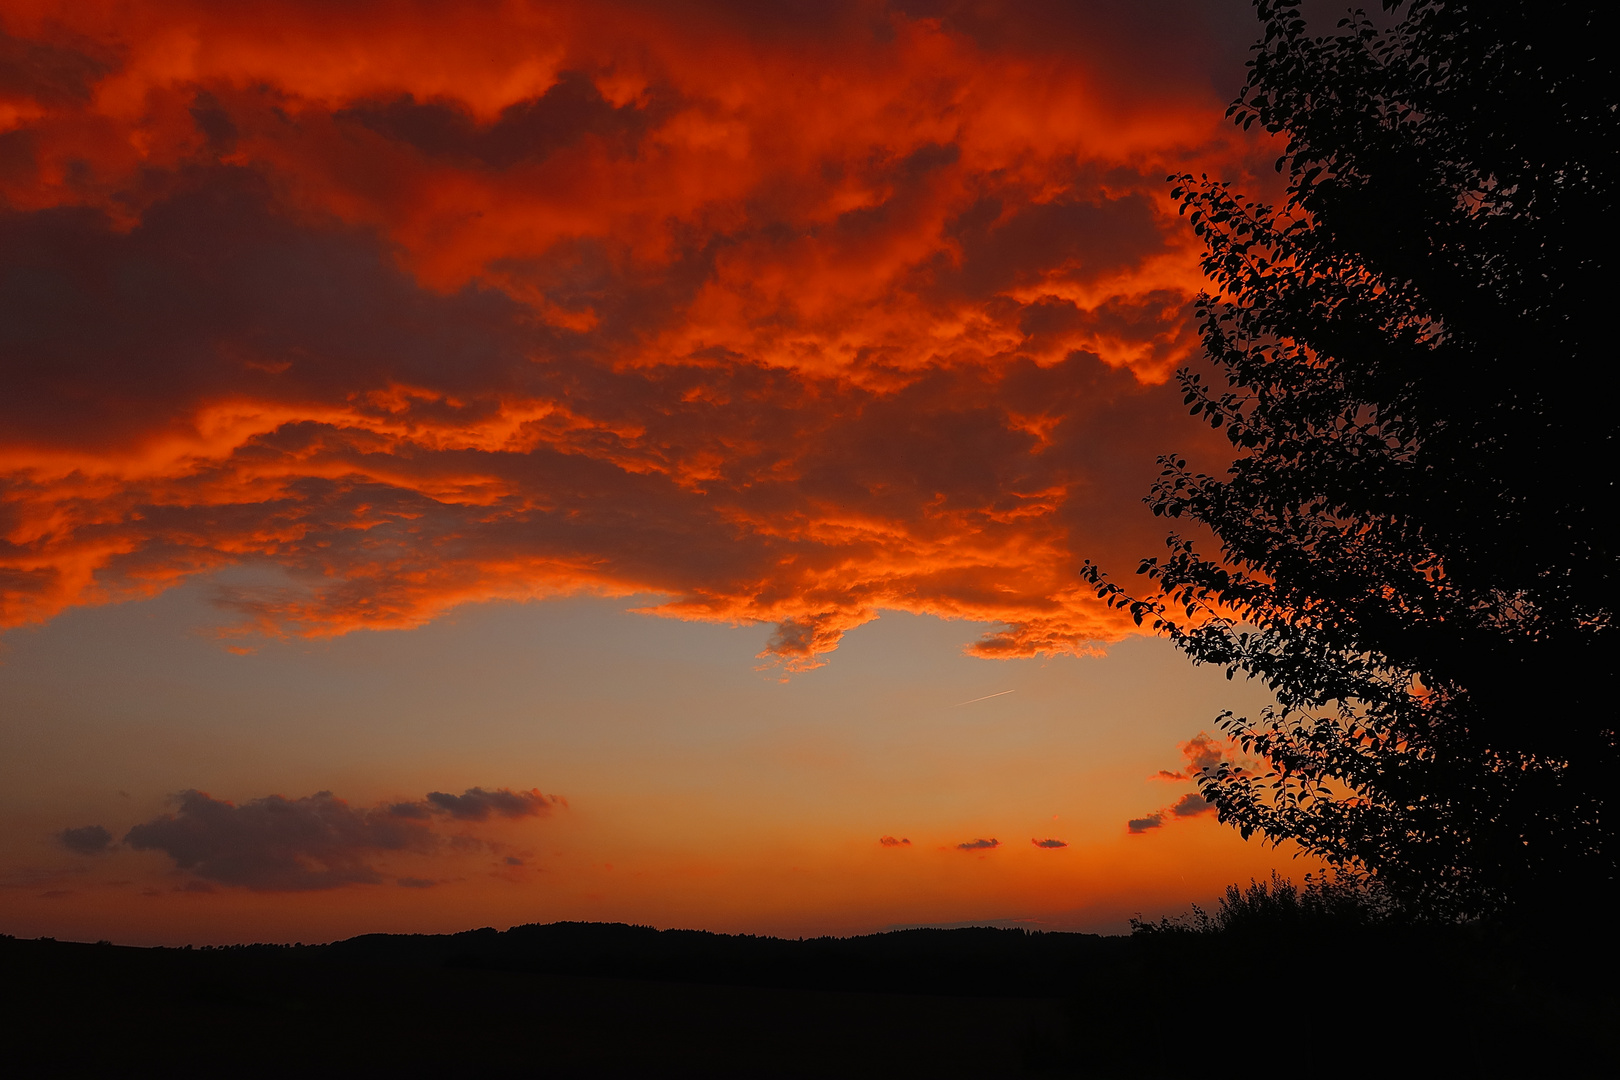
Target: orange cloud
<point>981,844</point>
<point>1203,754</point>
<point>786,321</point>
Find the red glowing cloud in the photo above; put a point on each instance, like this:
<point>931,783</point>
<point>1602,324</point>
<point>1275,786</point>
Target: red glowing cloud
<point>787,322</point>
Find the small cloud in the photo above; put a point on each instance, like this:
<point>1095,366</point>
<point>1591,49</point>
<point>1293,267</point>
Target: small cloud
<point>889,841</point>
<point>476,804</point>
<point>56,894</point>
<point>1143,824</point>
<point>1049,843</point>
<point>200,888</point>
<point>414,883</point>
<point>1192,804</point>
<point>980,844</point>
<point>1203,755</point>
<point>86,840</point>
<point>513,860</point>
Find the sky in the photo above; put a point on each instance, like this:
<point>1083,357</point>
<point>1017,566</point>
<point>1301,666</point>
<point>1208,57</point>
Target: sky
<point>495,463</point>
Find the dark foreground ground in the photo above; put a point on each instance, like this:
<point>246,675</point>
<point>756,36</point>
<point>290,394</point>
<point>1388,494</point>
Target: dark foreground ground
<point>588,1000</point>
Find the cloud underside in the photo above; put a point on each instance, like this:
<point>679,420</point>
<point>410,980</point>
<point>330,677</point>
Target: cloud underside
<point>780,330</point>
<point>317,842</point>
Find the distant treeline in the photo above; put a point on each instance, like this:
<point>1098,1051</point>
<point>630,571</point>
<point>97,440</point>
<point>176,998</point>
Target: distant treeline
<point>980,960</point>
<point>608,999</point>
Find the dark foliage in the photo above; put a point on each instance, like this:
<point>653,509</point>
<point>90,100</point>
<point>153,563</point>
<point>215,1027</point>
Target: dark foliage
<point>1416,546</point>
<point>1326,906</point>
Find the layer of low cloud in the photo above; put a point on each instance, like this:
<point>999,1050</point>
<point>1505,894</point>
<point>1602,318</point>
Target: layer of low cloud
<point>276,844</point>
<point>476,804</point>
<point>787,323</point>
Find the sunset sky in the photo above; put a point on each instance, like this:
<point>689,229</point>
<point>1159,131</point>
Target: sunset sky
<point>493,463</point>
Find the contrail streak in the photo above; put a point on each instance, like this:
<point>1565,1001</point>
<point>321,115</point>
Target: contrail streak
<point>986,697</point>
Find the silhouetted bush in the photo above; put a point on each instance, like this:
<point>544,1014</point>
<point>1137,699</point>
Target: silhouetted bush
<point>1342,902</point>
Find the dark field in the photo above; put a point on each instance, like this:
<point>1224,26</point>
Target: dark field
<point>586,1000</point>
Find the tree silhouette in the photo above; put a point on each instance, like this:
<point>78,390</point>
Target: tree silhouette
<point>1415,551</point>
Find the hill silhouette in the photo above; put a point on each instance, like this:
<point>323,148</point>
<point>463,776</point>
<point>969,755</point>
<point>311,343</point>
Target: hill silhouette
<point>594,999</point>
<point>983,961</point>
